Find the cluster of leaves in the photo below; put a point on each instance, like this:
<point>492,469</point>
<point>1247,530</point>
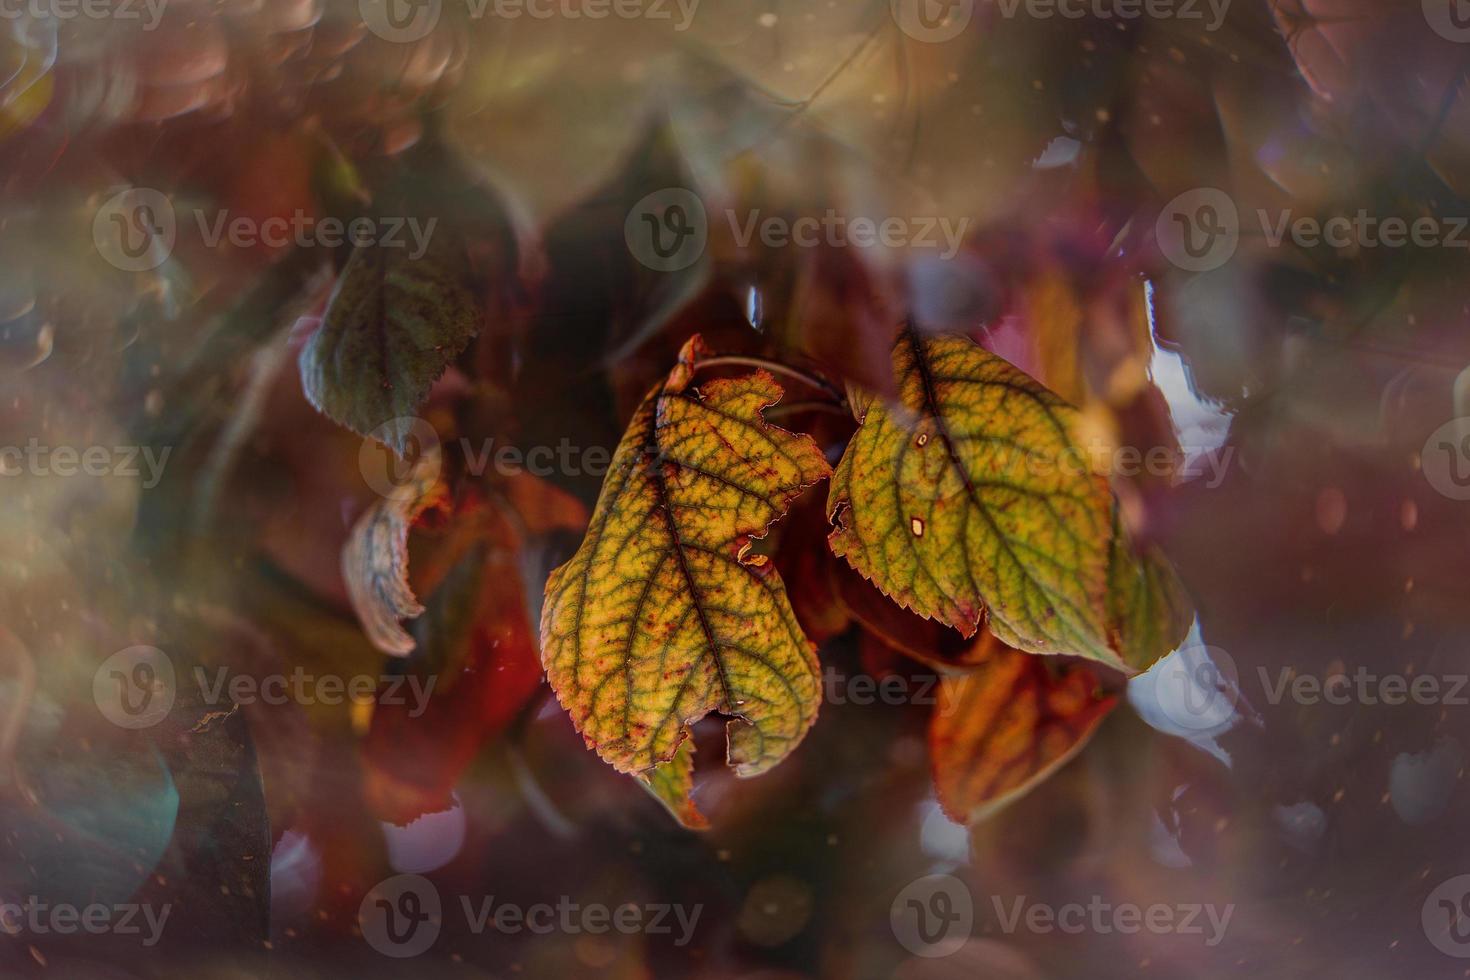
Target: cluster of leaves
<point>956,501</point>
<point>961,494</point>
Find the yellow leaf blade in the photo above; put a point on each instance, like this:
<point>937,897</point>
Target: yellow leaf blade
<point>971,493</point>
<point>662,616</point>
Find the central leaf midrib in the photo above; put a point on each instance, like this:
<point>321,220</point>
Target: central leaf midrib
<point>931,403</point>
<point>661,488</point>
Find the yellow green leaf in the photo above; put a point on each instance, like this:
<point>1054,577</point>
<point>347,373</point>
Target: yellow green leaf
<point>1148,608</point>
<point>671,784</point>
<point>663,614</point>
<point>970,493</point>
<point>1002,728</point>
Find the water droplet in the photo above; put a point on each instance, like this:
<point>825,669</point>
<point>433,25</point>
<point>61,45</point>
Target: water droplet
<point>923,439</point>
<point>917,526</point>
<point>755,313</point>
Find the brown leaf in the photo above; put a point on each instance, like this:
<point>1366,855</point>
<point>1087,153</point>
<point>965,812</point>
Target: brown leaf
<point>1001,729</point>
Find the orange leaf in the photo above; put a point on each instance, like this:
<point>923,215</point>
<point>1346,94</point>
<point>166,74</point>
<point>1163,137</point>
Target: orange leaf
<point>1001,729</point>
<point>415,753</point>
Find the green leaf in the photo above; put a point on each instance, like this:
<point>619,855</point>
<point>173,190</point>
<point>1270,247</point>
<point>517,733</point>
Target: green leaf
<point>392,327</point>
<point>970,494</point>
<point>1148,609</point>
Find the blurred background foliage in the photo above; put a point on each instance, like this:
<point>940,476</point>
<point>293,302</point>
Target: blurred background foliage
<point>1320,370</point>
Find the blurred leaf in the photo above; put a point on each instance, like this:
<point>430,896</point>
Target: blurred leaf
<point>418,749</point>
<point>1149,611</point>
<point>27,81</point>
<point>375,558</point>
<point>392,327</point>
<point>1004,727</point>
<point>476,655</point>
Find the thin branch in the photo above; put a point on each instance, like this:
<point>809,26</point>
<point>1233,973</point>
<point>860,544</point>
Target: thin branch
<point>776,367</point>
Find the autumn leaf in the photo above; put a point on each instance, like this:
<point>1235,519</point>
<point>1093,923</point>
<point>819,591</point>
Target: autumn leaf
<point>481,650</point>
<point>663,614</point>
<point>671,784</point>
<point>971,493</point>
<point>375,557</point>
<point>1149,611</point>
<point>1007,725</point>
<point>393,325</point>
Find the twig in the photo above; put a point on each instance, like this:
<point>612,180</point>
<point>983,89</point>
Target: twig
<point>776,367</point>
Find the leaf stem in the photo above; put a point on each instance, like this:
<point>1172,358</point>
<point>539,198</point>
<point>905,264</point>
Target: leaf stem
<point>776,367</point>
